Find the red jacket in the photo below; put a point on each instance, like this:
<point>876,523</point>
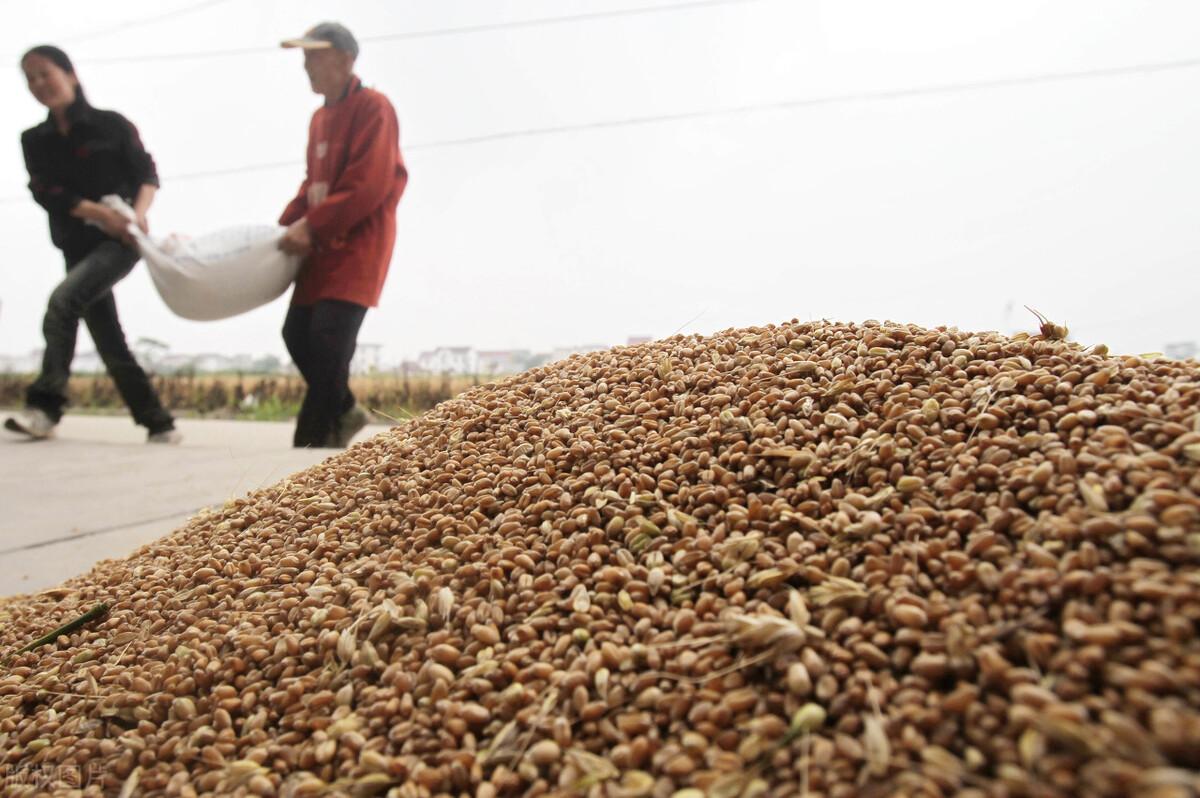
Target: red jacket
<point>355,178</point>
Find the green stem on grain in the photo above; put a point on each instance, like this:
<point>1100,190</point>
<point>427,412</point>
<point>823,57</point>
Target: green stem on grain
<point>99,611</point>
<point>393,419</point>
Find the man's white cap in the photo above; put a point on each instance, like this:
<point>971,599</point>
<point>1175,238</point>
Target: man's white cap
<point>326,36</point>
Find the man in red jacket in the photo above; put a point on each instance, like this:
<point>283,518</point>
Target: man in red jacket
<point>343,221</point>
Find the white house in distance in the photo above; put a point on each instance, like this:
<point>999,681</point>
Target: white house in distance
<point>564,352</point>
<point>504,361</point>
<point>88,363</point>
<point>366,359</point>
<point>157,358</point>
<point>448,360</point>
<point>1182,350</point>
<point>465,360</point>
<point>21,364</point>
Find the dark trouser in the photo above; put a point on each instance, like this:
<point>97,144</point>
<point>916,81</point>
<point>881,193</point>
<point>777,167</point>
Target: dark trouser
<point>86,293</point>
<point>321,339</point>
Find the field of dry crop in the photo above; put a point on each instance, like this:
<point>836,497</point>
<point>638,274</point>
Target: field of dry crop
<point>252,396</point>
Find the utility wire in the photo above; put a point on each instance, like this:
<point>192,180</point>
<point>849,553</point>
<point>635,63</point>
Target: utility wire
<point>143,22</point>
<point>432,33</point>
<point>833,99</point>
<point>883,95</point>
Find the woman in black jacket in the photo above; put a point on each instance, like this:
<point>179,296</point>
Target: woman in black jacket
<point>76,156</point>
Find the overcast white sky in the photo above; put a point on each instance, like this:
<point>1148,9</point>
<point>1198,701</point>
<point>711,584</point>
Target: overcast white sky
<point>1078,197</point>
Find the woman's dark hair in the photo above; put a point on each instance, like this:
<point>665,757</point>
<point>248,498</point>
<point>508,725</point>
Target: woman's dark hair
<point>60,59</point>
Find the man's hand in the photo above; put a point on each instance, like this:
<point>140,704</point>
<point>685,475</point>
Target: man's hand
<point>297,240</point>
<point>142,223</point>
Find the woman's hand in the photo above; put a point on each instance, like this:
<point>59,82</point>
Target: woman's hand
<point>116,225</point>
<point>141,206</point>
<point>112,222</point>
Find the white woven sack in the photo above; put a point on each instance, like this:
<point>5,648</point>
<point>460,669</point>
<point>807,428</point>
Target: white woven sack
<point>217,275</point>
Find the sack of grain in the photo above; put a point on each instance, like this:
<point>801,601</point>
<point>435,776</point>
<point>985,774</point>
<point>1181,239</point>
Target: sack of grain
<point>219,274</point>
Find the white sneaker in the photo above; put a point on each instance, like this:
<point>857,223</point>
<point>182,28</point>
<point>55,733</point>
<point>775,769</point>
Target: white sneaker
<point>168,436</point>
<point>32,422</point>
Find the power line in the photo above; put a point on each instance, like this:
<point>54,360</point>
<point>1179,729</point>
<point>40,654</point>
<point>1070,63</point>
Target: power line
<point>144,21</point>
<point>433,33</point>
<point>130,25</point>
<point>233,170</point>
<point>833,99</point>
<point>540,21</point>
<point>883,95</point>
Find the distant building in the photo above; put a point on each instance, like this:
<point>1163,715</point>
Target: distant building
<point>156,357</point>
<point>564,352</point>
<point>173,364</point>
<point>21,364</point>
<point>267,364</point>
<point>366,359</point>
<point>1182,350</point>
<point>213,363</point>
<point>150,352</point>
<point>448,360</point>
<point>87,363</point>
<point>503,361</point>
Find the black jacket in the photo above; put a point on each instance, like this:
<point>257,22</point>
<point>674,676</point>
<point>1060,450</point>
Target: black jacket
<point>101,154</point>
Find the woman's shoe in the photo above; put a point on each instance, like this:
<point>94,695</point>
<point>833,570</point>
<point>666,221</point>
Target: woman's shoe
<point>169,436</point>
<point>33,423</point>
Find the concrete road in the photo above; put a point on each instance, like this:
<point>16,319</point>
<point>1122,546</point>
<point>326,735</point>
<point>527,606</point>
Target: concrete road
<point>98,491</point>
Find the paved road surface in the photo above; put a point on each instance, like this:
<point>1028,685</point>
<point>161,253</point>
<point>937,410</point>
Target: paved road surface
<point>98,491</point>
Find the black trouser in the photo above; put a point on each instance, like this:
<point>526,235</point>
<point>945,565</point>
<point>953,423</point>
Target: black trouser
<point>321,339</point>
<point>86,293</point>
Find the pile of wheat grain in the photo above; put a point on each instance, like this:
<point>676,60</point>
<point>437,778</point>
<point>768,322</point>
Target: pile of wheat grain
<point>808,559</point>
